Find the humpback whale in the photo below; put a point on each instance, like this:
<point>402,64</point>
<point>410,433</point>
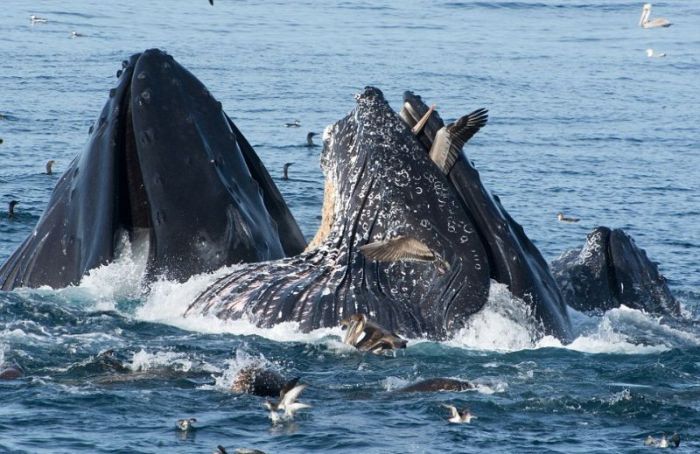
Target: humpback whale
<point>610,270</point>
<point>510,256</point>
<point>166,166</point>
<point>380,185</point>
<point>409,236</point>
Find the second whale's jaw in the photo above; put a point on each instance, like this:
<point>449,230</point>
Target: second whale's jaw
<point>383,186</point>
<point>166,166</point>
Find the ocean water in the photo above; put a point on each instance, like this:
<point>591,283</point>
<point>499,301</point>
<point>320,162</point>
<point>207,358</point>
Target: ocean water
<point>581,121</point>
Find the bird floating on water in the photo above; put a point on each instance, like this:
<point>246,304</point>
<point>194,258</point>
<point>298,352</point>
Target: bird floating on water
<point>294,124</point>
<point>644,21</point>
<point>285,169</point>
<point>186,425</point>
<point>49,166</point>
<point>11,211</point>
<point>652,54</point>
<point>663,442</point>
<point>309,139</point>
<point>75,34</point>
<point>287,403</point>
<point>219,449</point>
<point>37,20</point>
<point>457,417</point>
<point>562,218</point>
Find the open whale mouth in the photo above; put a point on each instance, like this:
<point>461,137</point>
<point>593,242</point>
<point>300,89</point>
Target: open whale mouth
<point>165,165</point>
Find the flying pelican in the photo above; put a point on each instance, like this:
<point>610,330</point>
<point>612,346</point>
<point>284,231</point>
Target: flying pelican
<point>652,54</point>
<point>644,21</point>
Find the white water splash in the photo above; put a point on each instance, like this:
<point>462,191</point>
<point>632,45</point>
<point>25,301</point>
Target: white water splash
<point>143,361</point>
<point>504,324</point>
<point>243,359</point>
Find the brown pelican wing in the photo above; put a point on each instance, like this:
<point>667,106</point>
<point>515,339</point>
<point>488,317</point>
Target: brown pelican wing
<point>450,139</point>
<point>399,248</point>
<point>464,128</point>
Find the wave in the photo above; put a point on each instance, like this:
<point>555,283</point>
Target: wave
<point>505,324</point>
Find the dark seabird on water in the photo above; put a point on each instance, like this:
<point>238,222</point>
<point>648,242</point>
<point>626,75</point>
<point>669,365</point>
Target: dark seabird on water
<point>309,139</point>
<point>11,211</point>
<point>294,124</point>
<point>49,166</point>
<point>285,169</point>
<point>37,20</point>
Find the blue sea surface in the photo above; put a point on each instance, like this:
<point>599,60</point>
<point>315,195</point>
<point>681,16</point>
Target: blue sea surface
<point>581,121</point>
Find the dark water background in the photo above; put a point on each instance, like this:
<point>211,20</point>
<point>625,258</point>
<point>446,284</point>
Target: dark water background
<point>581,121</point>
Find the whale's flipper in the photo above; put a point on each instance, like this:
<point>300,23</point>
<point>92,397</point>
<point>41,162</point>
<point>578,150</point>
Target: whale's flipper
<point>399,248</point>
<point>450,139</point>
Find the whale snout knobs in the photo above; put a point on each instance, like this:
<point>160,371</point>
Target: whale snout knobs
<point>367,336</point>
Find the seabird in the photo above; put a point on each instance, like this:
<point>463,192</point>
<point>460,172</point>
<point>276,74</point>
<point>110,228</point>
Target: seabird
<point>562,218</point>
<point>285,169</point>
<point>37,19</point>
<point>211,2</point>
<point>294,124</point>
<point>652,54</point>
<point>186,424</point>
<point>644,21</point>
<point>309,139</point>
<point>75,34</point>
<point>403,248</point>
<point>219,449</point>
<point>49,166</point>
<point>374,339</point>
<point>11,213</point>
<point>1,141</point>
<point>287,402</point>
<point>458,418</point>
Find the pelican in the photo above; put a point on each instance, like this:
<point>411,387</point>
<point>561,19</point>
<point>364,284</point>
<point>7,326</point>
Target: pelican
<point>644,21</point>
<point>652,54</point>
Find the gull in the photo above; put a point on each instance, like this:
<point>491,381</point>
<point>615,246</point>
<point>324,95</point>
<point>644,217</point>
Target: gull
<point>652,54</point>
<point>287,403</point>
<point>562,218</point>
<point>186,425</point>
<point>458,418</point>
<point>644,21</point>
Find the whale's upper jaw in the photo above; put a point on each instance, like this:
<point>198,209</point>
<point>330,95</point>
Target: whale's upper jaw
<point>163,163</point>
